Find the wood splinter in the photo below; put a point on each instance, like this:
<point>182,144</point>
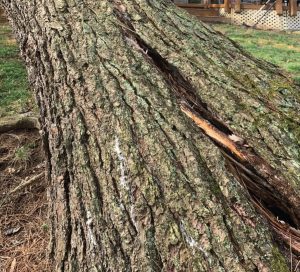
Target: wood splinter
<point>212,132</point>
<point>288,234</point>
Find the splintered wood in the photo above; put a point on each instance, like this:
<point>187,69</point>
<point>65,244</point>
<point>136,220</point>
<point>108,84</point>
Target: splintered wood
<point>288,234</point>
<point>212,132</point>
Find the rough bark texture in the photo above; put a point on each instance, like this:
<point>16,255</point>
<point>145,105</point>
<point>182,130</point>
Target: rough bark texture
<point>136,185</point>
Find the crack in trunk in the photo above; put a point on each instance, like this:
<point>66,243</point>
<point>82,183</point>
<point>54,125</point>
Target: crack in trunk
<point>142,91</point>
<point>251,170</point>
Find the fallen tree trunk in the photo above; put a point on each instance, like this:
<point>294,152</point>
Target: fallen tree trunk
<point>169,148</point>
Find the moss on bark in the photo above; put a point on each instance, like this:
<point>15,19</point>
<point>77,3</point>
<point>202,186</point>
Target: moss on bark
<point>135,184</point>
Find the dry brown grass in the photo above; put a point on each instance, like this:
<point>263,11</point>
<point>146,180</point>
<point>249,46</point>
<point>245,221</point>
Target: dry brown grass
<point>21,158</point>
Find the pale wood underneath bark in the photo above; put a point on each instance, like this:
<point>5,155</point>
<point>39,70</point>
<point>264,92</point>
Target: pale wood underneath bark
<point>135,184</point>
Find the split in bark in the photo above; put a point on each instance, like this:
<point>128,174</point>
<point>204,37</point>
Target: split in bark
<point>150,120</point>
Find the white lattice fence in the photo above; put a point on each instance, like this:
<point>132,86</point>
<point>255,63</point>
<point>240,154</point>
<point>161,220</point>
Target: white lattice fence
<point>270,21</point>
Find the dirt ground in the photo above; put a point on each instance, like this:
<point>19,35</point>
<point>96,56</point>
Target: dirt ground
<point>24,231</point>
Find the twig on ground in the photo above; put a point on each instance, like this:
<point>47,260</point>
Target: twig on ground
<point>22,185</point>
<point>26,183</point>
<point>13,265</point>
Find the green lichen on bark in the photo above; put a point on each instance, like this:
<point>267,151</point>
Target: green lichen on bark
<point>278,262</point>
<point>135,185</point>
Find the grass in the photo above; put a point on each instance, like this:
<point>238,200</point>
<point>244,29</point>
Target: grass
<point>22,155</point>
<point>14,91</point>
<point>277,47</point>
<point>280,48</point>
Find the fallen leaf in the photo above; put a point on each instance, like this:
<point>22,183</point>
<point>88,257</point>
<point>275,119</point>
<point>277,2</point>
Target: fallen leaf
<point>12,231</point>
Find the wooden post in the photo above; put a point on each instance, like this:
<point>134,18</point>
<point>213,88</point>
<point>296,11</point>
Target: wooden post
<point>3,18</point>
<point>279,9</point>
<point>227,6</point>
<point>237,6</point>
<point>293,7</point>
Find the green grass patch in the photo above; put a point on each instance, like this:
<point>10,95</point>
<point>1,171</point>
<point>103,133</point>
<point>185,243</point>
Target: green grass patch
<point>280,48</point>
<point>15,96</point>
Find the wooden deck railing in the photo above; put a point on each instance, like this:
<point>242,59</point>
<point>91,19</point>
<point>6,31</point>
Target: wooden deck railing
<point>238,5</point>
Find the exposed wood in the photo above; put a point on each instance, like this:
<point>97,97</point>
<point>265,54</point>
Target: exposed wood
<point>212,132</point>
<point>293,7</point>
<point>227,6</point>
<point>288,234</point>
<point>279,7</point>
<point>237,6</point>
<point>139,183</point>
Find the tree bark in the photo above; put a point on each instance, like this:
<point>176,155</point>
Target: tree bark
<point>168,147</point>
